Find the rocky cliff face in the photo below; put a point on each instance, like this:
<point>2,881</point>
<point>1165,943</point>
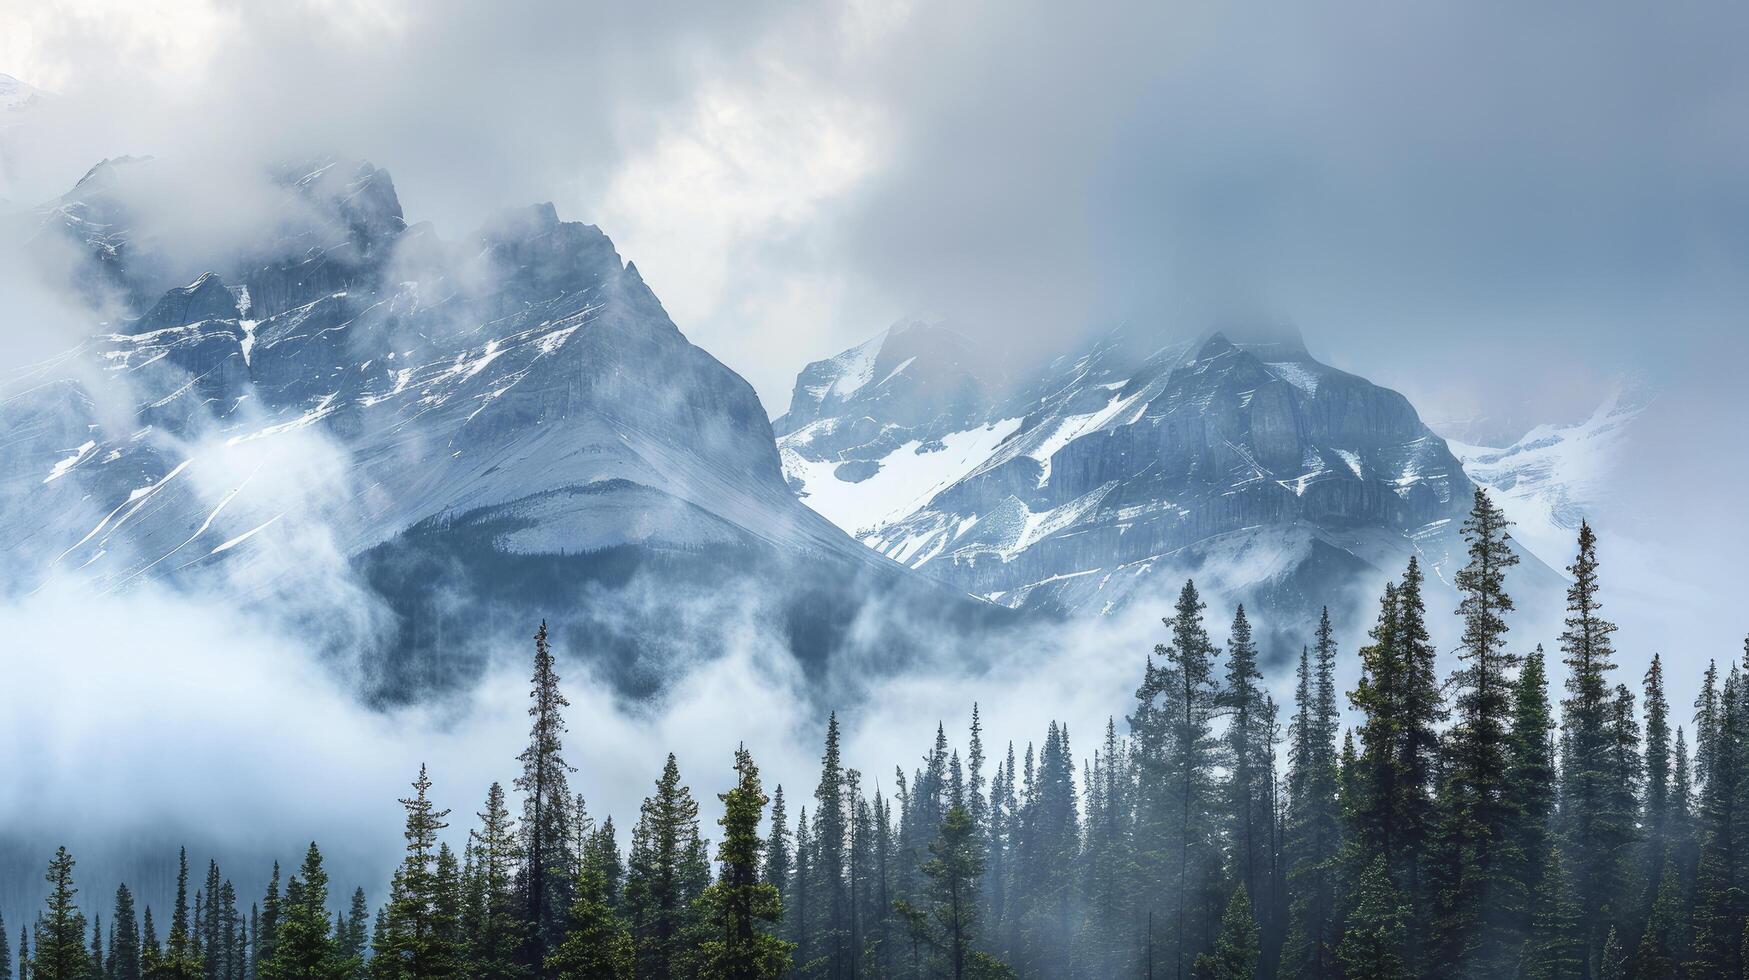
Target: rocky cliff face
<point>481,434</point>
<point>1115,473</point>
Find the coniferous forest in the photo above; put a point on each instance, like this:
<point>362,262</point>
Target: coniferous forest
<point>1484,824</point>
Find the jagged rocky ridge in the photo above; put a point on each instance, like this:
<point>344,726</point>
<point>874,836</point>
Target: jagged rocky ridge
<point>1114,473</point>
<point>485,432</point>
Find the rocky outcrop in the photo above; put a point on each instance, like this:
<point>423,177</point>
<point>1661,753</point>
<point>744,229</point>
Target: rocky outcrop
<point>482,434</point>
<point>1126,462</point>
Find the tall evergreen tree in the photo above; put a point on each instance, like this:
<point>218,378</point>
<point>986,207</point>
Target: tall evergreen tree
<point>60,943</point>
<point>1530,773</point>
<point>416,943</point>
<point>1556,950</point>
<point>1592,838</point>
<point>777,846</point>
<point>1481,904</point>
<point>1249,787</point>
<point>1314,820</point>
<point>1238,950</point>
<point>831,899</point>
<point>124,960</point>
<point>742,909</point>
<point>1176,756</point>
<point>498,934</point>
<point>597,944</point>
<point>667,872</point>
<point>1378,923</point>
<point>546,809</point>
<point>304,947</point>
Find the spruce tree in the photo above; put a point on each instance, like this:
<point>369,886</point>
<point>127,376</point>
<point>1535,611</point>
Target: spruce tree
<point>60,944</point>
<point>124,958</point>
<point>1175,754</point>
<point>547,860</point>
<point>831,900</point>
<point>1249,784</point>
<point>1530,773</point>
<point>1556,950</point>
<point>498,934</point>
<point>264,936</point>
<point>1314,820</point>
<point>667,872</point>
<point>1658,954</point>
<point>1481,903</point>
<point>5,951</point>
<point>1377,927</point>
<point>1238,949</point>
<point>597,944</point>
<point>777,846</point>
<point>180,960</point>
<point>1591,837</point>
<point>304,947</point>
<point>423,921</point>
<point>742,909</point>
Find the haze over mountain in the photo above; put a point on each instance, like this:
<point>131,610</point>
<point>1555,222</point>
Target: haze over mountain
<point>1111,473</point>
<point>443,442</point>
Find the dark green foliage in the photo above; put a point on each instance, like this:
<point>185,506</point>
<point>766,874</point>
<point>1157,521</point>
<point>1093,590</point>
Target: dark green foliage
<point>1238,949</point>
<point>740,909</point>
<point>1377,928</point>
<point>1480,906</point>
<point>597,945</point>
<point>1313,840</point>
<point>495,933</point>
<point>548,863</point>
<point>124,948</point>
<point>1556,950</point>
<point>60,932</point>
<point>304,947</point>
<point>667,873</point>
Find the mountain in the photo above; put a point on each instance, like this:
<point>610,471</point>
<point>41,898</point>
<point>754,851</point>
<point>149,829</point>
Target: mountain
<point>1555,475</point>
<point>1115,472</point>
<point>476,434</point>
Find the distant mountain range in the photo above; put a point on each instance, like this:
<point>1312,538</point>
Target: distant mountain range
<point>1115,472</point>
<point>486,432</point>
<point>418,448</point>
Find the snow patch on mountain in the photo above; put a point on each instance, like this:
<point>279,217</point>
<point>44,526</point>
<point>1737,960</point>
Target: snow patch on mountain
<point>1557,475</point>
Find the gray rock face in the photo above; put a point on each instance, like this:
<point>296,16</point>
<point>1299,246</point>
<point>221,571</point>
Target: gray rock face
<point>1117,472</point>
<point>482,434</point>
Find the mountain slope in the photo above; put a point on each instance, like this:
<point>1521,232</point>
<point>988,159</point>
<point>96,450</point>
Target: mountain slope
<point>486,433</point>
<point>1115,473</point>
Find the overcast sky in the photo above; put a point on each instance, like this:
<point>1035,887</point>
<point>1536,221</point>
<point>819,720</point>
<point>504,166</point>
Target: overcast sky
<point>1493,207</point>
<point>1478,203</point>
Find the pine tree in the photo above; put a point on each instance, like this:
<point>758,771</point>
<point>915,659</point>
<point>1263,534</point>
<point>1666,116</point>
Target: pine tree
<point>830,899</point>
<point>423,919</point>
<point>742,910</point>
<point>498,934</point>
<point>547,861</point>
<point>1378,923</point>
<point>5,951</point>
<point>1658,952</point>
<point>151,956</point>
<point>1248,788</point>
<point>1481,904</point>
<point>799,914</point>
<point>1176,754</point>
<point>124,957</point>
<point>597,944</point>
<point>1530,773</point>
<point>1314,820</point>
<point>1106,859</point>
<point>304,948</point>
<point>60,944</point>
<point>1556,950</point>
<point>264,936</point>
<point>354,941</point>
<point>180,960</point>
<point>947,925</point>
<point>668,871</point>
<point>1589,655</point>
<point>1238,950</point>
<point>777,847</point>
